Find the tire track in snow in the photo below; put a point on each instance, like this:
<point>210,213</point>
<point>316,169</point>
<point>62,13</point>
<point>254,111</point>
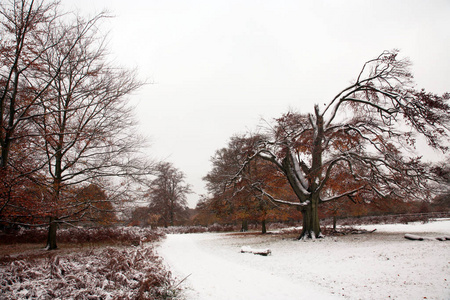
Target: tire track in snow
<point>213,277</point>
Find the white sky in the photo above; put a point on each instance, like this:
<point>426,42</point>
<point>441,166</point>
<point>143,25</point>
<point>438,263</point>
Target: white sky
<point>218,67</point>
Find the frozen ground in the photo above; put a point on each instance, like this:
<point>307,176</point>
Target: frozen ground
<point>380,265</point>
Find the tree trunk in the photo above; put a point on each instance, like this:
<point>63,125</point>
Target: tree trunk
<point>51,238</point>
<point>244,227</point>
<point>171,212</point>
<point>4,156</point>
<point>311,224</point>
<point>263,225</point>
<point>334,222</point>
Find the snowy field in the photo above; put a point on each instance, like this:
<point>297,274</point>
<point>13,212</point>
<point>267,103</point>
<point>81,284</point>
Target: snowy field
<point>379,265</point>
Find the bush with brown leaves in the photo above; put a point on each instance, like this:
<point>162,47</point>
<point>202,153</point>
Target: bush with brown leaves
<point>111,273</point>
<point>82,235</point>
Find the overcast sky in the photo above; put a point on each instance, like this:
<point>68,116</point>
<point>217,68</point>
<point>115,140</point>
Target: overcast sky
<point>218,67</point>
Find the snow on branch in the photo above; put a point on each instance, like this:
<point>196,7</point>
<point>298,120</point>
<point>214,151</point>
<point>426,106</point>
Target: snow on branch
<point>349,193</point>
<point>279,201</point>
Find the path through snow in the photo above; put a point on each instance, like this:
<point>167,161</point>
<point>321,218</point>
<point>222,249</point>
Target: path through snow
<point>215,277</point>
<point>381,265</point>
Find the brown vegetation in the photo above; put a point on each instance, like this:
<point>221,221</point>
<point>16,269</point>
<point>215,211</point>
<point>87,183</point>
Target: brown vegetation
<point>99,263</point>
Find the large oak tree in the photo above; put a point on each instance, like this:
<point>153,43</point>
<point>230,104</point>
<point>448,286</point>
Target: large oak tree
<point>369,130</point>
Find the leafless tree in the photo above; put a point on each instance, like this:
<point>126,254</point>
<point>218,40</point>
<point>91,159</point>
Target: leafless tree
<point>366,133</point>
<point>84,119</point>
<point>29,30</point>
<point>167,193</point>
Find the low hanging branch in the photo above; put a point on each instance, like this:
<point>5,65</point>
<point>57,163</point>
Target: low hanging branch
<point>279,201</point>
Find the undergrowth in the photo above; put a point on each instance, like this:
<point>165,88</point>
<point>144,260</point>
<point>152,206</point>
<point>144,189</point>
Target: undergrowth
<point>121,271</point>
<point>80,235</point>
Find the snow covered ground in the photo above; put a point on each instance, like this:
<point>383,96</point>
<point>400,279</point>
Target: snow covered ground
<point>380,265</point>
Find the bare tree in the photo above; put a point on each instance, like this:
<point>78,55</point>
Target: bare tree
<point>85,120</point>
<point>168,193</point>
<point>30,30</point>
<point>368,130</point>
<point>22,25</point>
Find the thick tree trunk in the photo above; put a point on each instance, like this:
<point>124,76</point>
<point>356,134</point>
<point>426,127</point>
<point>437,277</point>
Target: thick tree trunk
<point>311,223</point>
<point>311,226</point>
<point>4,156</point>
<point>263,227</point>
<point>244,226</point>
<point>51,238</point>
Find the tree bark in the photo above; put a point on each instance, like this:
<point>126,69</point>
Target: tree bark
<point>263,225</point>
<point>244,226</point>
<point>53,226</point>
<point>334,222</point>
<point>311,225</point>
<point>171,212</point>
<point>51,238</point>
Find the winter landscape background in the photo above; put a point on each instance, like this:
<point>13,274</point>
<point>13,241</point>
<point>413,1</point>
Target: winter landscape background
<point>378,265</point>
<point>311,137</point>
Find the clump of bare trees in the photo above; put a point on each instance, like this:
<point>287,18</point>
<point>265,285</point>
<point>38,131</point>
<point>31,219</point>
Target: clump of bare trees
<point>65,122</point>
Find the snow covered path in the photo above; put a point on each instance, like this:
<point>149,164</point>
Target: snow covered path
<point>381,265</point>
<point>215,277</point>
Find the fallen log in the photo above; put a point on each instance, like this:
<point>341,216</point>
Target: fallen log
<point>263,252</point>
<point>362,231</point>
<point>346,231</point>
<point>414,237</point>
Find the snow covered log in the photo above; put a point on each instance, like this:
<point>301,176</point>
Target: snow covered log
<point>246,249</point>
<point>263,252</point>
<point>414,237</point>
